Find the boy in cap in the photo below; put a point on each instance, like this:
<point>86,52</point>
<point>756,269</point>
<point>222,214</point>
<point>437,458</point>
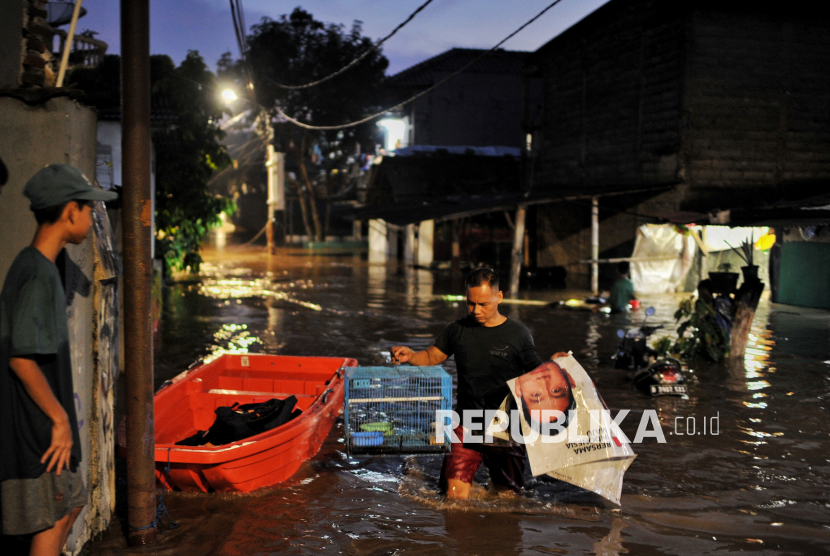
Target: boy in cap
<point>41,490</point>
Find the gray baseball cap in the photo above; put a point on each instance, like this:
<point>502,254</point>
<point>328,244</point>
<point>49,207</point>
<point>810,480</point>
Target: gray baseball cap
<point>60,183</point>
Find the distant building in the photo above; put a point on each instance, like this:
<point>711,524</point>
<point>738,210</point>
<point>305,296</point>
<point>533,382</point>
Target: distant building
<point>458,155</point>
<point>681,106</point>
<point>482,106</point>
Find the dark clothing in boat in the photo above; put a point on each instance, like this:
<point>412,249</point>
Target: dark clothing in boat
<point>238,422</point>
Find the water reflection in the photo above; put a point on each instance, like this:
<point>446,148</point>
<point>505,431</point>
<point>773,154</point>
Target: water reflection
<point>759,483</point>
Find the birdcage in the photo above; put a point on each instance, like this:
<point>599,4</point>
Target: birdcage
<point>394,409</point>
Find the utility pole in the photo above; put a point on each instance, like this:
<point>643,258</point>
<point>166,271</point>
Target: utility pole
<point>275,165</point>
<point>138,271</point>
<point>595,245</point>
<point>516,255</point>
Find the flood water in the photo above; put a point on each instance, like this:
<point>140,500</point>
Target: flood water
<point>761,485</point>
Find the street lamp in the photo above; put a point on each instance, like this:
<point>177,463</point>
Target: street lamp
<point>228,96</point>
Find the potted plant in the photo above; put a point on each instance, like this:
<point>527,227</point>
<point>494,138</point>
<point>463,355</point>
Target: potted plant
<point>724,281</point>
<point>745,252</point>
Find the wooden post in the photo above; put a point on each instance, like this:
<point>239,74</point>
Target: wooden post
<point>456,247</point>
<point>595,245</point>
<point>516,256</point>
<point>746,301</point>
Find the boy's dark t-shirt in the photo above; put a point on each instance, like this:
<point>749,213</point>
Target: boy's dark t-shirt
<point>33,323</point>
<point>486,358</point>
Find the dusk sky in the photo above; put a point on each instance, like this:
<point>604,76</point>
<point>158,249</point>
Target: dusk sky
<point>177,26</point>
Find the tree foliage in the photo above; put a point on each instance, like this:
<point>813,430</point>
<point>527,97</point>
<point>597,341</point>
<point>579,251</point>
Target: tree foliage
<point>186,136</point>
<point>297,49</point>
<point>186,156</point>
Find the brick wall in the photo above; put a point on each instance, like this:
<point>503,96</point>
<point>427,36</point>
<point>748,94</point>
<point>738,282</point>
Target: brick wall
<point>25,60</point>
<point>611,89</point>
<point>731,105</point>
<point>757,98</point>
<point>474,110</point>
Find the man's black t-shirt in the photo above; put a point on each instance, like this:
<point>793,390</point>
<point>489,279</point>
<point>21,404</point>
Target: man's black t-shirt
<point>486,358</point>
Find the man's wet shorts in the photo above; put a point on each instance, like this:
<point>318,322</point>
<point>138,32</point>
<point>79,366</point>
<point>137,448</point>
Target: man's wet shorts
<point>506,464</point>
<point>32,505</point>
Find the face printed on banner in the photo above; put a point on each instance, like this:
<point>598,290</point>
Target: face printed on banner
<point>548,387</point>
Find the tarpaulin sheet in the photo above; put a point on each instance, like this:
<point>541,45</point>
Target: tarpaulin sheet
<point>672,255</point>
<point>718,238</point>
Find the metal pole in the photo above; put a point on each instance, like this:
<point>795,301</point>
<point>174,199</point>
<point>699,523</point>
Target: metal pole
<point>516,256</point>
<point>138,270</point>
<point>595,245</point>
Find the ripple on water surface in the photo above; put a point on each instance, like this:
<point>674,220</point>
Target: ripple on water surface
<point>744,465</point>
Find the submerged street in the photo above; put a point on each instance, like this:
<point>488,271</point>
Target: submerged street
<point>760,485</point>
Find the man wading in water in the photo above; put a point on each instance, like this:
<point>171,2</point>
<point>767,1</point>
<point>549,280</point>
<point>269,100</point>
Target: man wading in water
<point>489,350</point>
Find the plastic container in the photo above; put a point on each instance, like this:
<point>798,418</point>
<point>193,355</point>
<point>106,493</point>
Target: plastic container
<point>723,282</point>
<point>365,439</point>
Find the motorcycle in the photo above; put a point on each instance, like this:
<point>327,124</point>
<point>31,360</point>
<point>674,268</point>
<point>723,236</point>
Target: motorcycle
<point>651,373</point>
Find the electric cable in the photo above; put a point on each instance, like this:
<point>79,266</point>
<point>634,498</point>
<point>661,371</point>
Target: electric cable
<point>359,58</point>
<point>417,96</point>
<point>238,25</point>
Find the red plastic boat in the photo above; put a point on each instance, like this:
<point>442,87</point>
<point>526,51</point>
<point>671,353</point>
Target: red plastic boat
<point>186,405</point>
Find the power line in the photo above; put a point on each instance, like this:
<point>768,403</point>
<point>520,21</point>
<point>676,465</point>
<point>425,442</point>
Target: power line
<point>238,25</point>
<point>359,58</point>
<point>422,93</point>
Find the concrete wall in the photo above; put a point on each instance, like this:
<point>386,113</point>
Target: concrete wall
<point>62,130</point>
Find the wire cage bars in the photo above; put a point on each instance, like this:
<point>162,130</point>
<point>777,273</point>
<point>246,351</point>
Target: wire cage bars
<point>394,409</point>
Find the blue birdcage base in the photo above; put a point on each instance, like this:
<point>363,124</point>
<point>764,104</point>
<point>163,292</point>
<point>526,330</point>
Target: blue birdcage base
<point>393,409</point>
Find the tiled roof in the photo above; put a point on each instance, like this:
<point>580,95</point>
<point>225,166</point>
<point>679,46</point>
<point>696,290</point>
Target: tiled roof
<point>496,62</point>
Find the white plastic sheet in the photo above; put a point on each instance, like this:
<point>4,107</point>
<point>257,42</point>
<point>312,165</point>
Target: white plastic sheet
<point>715,238</point>
<point>670,253</point>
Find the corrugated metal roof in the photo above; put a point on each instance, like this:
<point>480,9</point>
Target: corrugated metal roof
<point>424,74</point>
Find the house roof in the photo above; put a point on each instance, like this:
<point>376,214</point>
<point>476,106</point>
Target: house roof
<point>442,185</point>
<point>496,62</point>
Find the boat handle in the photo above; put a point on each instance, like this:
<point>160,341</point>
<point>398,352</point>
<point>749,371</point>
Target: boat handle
<point>326,394</point>
<point>195,364</point>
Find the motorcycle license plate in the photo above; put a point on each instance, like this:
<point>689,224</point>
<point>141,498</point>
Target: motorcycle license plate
<point>668,389</point>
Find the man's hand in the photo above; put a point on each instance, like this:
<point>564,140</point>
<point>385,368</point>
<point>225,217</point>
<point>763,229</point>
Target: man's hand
<point>559,354</point>
<point>60,450</point>
<point>401,354</point>
<point>430,356</point>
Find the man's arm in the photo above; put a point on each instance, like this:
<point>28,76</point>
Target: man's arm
<point>430,356</point>
<point>38,388</point>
